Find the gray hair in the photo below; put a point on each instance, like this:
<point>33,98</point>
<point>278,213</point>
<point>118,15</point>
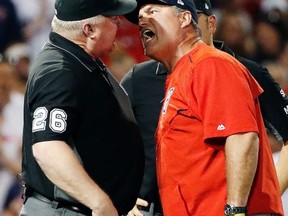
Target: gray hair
<point>193,22</point>
<point>73,28</point>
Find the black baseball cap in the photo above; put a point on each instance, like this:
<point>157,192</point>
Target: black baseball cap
<point>183,4</point>
<point>203,6</point>
<point>71,10</point>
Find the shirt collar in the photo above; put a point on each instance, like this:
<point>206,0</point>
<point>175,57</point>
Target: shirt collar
<point>76,51</point>
<point>160,69</point>
<point>223,47</point>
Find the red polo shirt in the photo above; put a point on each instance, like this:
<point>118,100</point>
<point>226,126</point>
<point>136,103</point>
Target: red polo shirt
<point>209,97</point>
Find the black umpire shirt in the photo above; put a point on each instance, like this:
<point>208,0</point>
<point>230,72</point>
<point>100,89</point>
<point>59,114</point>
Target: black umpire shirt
<point>71,97</point>
<point>273,101</point>
<point>145,86</point>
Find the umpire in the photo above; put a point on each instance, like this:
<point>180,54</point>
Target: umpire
<point>82,151</point>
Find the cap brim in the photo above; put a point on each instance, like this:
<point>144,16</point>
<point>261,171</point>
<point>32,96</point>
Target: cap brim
<point>133,16</point>
<point>123,7</point>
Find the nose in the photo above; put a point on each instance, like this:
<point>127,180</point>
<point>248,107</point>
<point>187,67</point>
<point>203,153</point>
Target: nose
<point>142,20</point>
<point>143,17</point>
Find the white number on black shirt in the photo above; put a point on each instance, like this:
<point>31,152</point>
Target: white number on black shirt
<point>57,120</point>
<point>39,122</point>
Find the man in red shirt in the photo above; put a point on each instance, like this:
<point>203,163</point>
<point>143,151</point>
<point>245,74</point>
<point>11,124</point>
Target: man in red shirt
<point>212,148</point>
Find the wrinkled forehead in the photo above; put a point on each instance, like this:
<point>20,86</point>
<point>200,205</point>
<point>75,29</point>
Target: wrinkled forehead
<point>148,7</point>
<point>153,6</point>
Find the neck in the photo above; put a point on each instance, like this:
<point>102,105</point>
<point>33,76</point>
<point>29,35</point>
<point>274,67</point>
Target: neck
<point>183,48</point>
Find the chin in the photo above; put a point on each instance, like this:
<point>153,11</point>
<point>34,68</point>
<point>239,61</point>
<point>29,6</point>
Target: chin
<point>112,49</point>
<point>152,54</point>
<point>109,50</point>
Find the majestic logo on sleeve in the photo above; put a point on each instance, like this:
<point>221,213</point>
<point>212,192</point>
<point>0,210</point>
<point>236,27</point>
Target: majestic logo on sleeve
<point>57,120</point>
<point>221,127</point>
<point>167,100</point>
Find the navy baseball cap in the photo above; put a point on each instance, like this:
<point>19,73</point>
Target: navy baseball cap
<point>183,4</point>
<point>71,10</point>
<point>203,6</point>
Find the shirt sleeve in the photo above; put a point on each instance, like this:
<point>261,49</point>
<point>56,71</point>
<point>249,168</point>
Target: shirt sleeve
<point>226,96</point>
<point>273,101</point>
<point>54,105</point>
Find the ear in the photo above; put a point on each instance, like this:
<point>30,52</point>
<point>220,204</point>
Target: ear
<point>186,19</point>
<point>212,24</point>
<point>88,30</point>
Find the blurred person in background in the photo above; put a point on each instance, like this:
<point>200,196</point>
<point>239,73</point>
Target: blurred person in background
<point>268,5</point>
<point>270,36</point>
<point>279,73</point>
<point>10,141</point>
<point>128,50</point>
<point>10,27</point>
<point>235,28</point>
<point>120,61</point>
<point>145,85</point>
<point>283,61</point>
<point>35,17</point>
<point>17,56</point>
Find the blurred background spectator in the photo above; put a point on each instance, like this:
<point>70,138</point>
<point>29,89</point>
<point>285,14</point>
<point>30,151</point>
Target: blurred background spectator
<point>13,76</point>
<point>235,27</point>
<point>10,30</point>
<point>129,50</point>
<point>35,18</point>
<point>256,29</point>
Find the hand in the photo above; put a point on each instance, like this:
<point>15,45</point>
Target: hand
<point>108,209</point>
<point>136,210</point>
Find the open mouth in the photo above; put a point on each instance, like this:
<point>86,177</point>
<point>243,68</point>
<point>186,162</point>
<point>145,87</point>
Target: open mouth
<point>147,35</point>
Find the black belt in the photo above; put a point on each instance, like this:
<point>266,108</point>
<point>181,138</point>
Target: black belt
<point>55,204</point>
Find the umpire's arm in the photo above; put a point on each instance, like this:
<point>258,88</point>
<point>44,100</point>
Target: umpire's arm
<point>282,168</point>
<point>61,165</point>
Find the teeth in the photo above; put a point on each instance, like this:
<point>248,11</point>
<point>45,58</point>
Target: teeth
<point>147,34</point>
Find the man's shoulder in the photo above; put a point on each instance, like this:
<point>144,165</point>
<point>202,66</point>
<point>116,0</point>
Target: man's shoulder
<point>150,66</point>
<point>204,53</point>
<point>254,67</point>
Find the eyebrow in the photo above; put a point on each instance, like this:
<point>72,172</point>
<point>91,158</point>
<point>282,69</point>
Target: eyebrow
<point>146,10</point>
<point>152,6</point>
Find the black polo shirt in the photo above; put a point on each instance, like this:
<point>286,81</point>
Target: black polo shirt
<point>273,101</point>
<point>73,98</point>
<point>145,84</point>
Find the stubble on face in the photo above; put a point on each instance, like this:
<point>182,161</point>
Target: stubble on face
<point>158,29</point>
